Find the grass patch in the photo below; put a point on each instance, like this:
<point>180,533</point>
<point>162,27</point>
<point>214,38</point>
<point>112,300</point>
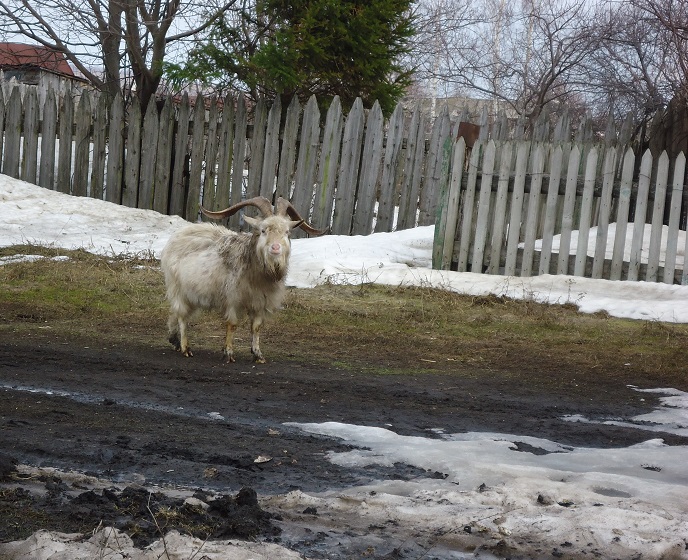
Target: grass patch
<point>367,328</point>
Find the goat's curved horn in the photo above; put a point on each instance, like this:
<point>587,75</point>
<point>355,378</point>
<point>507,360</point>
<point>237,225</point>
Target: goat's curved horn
<point>283,207</point>
<point>260,202</point>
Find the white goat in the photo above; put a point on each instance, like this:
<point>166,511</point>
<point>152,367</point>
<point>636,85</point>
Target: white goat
<point>207,266</point>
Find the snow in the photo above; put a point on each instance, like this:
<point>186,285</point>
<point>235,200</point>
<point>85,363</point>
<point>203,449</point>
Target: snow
<point>630,502</point>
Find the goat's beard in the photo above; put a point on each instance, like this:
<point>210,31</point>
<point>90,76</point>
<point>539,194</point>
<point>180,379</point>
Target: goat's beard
<point>275,267</point>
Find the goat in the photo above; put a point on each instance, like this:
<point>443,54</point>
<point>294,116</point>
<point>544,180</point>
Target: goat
<point>207,266</point>
<point>470,133</point>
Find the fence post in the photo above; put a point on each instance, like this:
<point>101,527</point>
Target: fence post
<point>64,162</point>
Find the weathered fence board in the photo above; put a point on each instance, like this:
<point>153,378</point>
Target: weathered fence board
<point>30,131</point>
<point>329,164</point>
<point>132,156</point>
<point>345,197</point>
<point>64,160</point>
<point>82,146</point>
<point>113,189</point>
<point>371,160</point>
<point>304,180</point>
<point>10,163</point>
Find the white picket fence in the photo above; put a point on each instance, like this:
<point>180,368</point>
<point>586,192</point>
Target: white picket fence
<point>527,208</point>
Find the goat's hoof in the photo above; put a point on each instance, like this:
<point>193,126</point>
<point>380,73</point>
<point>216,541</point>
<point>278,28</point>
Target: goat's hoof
<point>187,353</point>
<point>229,357</point>
<point>259,360</point>
<point>174,341</point>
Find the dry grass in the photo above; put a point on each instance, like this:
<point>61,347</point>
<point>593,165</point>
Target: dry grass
<point>367,328</point>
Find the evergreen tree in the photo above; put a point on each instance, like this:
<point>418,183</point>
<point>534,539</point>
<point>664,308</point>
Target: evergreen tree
<point>350,48</point>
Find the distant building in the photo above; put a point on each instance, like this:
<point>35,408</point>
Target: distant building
<point>28,63</point>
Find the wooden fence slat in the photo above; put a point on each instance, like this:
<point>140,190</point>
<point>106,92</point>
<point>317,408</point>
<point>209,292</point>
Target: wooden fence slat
<point>447,223</point>
<point>10,165</point>
<point>82,145</point>
<point>256,148</point>
<point>64,160</point>
<point>46,177</point>
<point>30,151</point>
<point>132,157</point>
<point>307,161</point>
<point>568,210</point>
<point>236,192</point>
<point>113,185</point>
<point>163,159</point>
<point>640,211</point>
<point>513,237</point>
<point>210,163</point>
<point>437,155</point>
<point>271,156</point>
<point>345,196</point>
<point>328,165</point>
<point>500,207</point>
<point>288,153</point>
<point>622,215</point>
<point>657,217</point>
<point>670,248</point>
<point>179,184</point>
<point>371,161</point>
<point>225,155</point>
<point>97,183</point>
<point>388,186</point>
<point>481,223</point>
<point>2,121</point>
<point>468,209</point>
<point>586,213</point>
<point>605,211</point>
<point>537,173</point>
<point>557,159</point>
<point>413,171</point>
<point>193,201</point>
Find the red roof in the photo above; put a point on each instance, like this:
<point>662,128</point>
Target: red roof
<point>17,55</point>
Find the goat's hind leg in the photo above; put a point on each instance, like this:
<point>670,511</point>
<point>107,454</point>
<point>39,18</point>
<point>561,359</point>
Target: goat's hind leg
<point>178,338</point>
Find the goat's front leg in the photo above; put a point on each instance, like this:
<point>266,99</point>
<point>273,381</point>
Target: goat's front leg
<point>228,350</point>
<point>256,323</point>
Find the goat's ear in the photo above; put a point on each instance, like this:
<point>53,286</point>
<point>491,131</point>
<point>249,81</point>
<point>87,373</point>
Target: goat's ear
<point>253,222</point>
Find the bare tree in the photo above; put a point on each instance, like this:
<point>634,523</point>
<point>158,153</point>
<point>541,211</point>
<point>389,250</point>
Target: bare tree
<point>115,44</point>
<point>529,54</point>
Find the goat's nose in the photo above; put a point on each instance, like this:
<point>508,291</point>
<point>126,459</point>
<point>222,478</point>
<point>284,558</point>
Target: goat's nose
<point>276,248</point>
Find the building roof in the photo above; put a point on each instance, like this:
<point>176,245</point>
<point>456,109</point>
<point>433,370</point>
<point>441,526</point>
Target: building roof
<point>18,55</point>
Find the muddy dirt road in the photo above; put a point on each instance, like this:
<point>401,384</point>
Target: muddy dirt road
<point>144,415</point>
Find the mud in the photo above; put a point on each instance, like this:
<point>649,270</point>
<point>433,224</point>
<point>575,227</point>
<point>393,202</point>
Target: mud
<point>146,417</point>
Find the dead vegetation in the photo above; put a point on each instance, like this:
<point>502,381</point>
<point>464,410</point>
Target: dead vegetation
<point>371,328</point>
